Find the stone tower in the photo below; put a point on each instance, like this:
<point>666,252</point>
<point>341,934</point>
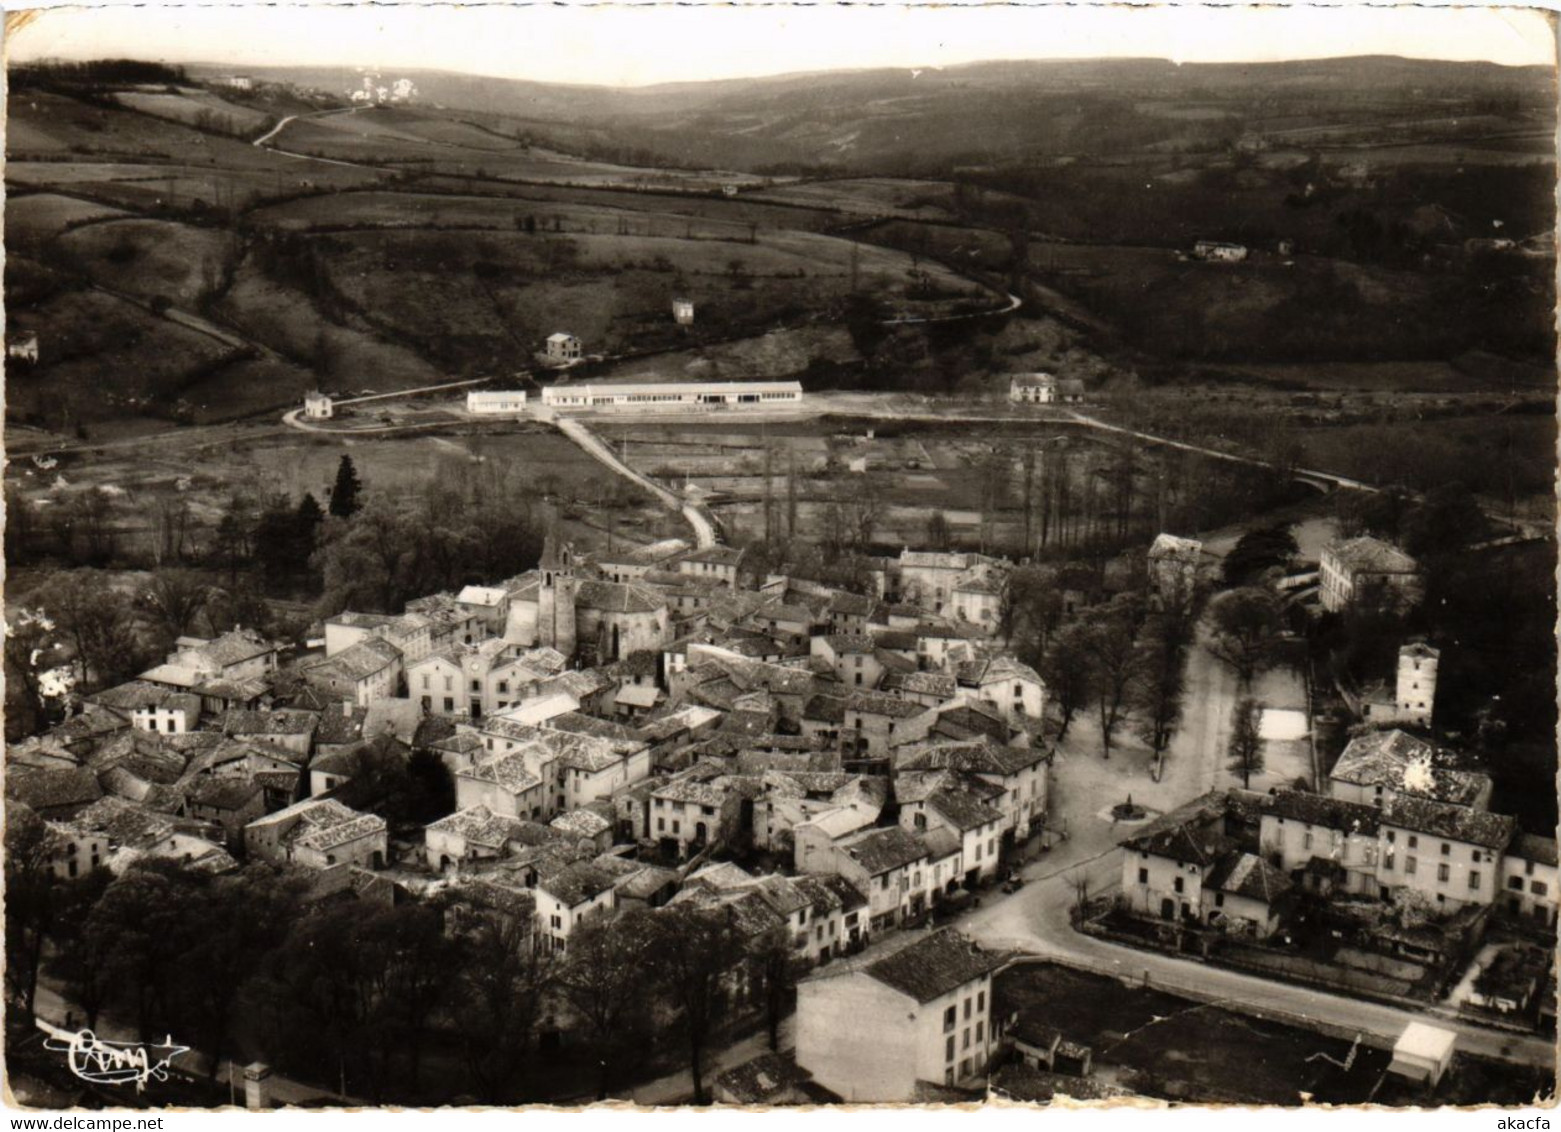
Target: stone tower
<point>556,598</point>
<point>1416,683</point>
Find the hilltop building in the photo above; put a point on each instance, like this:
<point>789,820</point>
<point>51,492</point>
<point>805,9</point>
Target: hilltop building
<point>563,347</point>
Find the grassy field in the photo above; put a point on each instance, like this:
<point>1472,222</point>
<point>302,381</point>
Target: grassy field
<point>1489,454</point>
<point>151,257</point>
<point>193,106</point>
<point>85,335</point>
<point>33,220</point>
<point>288,321</point>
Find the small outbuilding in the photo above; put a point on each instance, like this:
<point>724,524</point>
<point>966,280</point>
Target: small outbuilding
<point>1423,1053</point>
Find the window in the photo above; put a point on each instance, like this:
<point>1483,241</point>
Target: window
<point>1409,866</point>
<point>968,1004</point>
<point>1177,884</point>
<point>1515,882</point>
<point>1538,887</point>
<point>1143,876</point>
<point>948,1049</point>
<point>1442,872</point>
<point>1219,900</point>
<point>964,1042</point>
<point>425,681</point>
<point>950,1016</point>
<point>1474,879</point>
<point>964,1068</point>
<point>449,684</point>
<point>1390,832</point>
<point>558,923</point>
<point>980,1001</point>
<point>1475,856</point>
<point>1414,842</point>
<point>979,1029</point>
<point>1446,849</point>
<point>661,825</point>
<point>1306,840</point>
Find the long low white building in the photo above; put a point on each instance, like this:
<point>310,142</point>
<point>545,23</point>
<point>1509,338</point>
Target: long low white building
<point>495,401</point>
<point>672,394</point>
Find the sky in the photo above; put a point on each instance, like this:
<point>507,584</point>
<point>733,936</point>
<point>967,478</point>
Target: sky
<point>631,45</point>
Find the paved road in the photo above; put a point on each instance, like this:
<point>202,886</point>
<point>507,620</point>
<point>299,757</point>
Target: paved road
<point>704,529</point>
<point>678,1087</point>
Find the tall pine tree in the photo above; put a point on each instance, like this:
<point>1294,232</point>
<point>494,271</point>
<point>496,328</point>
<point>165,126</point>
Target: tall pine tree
<point>344,496</point>
<point>306,523</point>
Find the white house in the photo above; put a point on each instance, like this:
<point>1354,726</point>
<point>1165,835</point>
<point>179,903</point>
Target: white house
<point>317,406</point>
<point>563,347</point>
<point>923,1014</point>
<point>683,311</point>
<point>570,897</point>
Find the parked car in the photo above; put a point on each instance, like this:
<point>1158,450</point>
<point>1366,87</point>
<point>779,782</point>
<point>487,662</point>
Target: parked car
<point>1013,883</point>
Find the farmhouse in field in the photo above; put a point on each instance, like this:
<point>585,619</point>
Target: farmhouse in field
<point>1044,389</point>
<point>563,347</point>
<point>240,82</point>
<point>673,394</point>
<point>683,311</point>
<point>496,402</point>
<point>317,406</point>
<point>1218,252</point>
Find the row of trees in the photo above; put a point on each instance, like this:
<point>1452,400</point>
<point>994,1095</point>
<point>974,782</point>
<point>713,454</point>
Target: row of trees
<point>372,997</point>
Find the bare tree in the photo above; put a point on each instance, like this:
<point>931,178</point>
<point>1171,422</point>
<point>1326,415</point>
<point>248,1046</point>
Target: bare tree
<point>1246,741</point>
<point>1111,642</point>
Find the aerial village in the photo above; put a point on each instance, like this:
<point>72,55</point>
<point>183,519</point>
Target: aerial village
<point>658,732</point>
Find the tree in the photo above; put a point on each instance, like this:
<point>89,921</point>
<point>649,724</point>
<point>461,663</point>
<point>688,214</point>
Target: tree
<point>606,979</point>
<point>1246,741</point>
<point>1259,551</point>
<point>307,520</point>
<point>344,495</point>
<point>695,949</point>
<point>32,903</point>
<point>1157,693</point>
<point>1111,645</point>
<point>29,646</point>
<point>1448,520</point>
<point>98,621</point>
<point>235,536</point>
<point>1069,674</point>
<point>777,967</point>
<point>176,598</point>
<point>1245,630</point>
<point>501,979</point>
<point>939,534</point>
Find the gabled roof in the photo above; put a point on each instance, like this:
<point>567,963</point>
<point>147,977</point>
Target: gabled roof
<point>935,965</point>
<point>1367,555</point>
<point>880,850</point>
<point>47,789</point>
<point>876,703</point>
<point>1322,810</point>
<point>223,792</point>
<point>1456,823</point>
<point>1399,761</point>
<point>619,597</point>
<point>360,661</point>
<point>981,755</point>
<point>1247,874</point>
<point>575,884</point>
<point>274,721</point>
<point>761,1079</point>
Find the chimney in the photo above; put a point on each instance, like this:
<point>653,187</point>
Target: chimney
<point>257,1089</point>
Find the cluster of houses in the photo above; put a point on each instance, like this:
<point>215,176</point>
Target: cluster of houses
<point>1402,828</point>
<point>647,727</point>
